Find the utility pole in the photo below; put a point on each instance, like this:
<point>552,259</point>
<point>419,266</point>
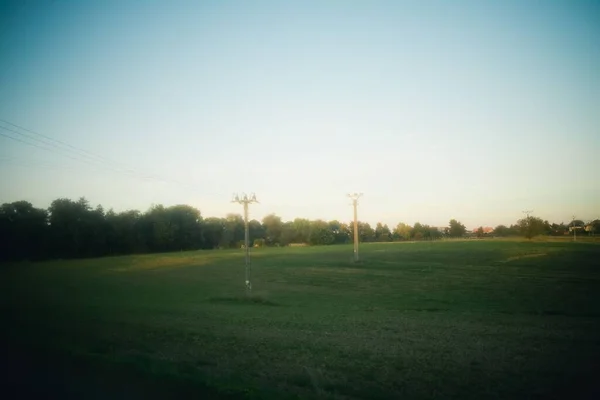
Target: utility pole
<point>527,212</point>
<point>354,197</point>
<point>574,230</point>
<point>245,201</point>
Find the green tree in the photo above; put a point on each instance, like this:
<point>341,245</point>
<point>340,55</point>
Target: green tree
<point>124,235</point>
<point>187,223</point>
<point>576,225</point>
<point>502,230</point>
<point>212,232</point>
<point>432,233</point>
<point>403,231</point>
<point>456,229</point>
<point>23,229</point>
<point>558,229</point>
<point>302,228</point>
<point>365,232</point>
<point>530,227</point>
<point>256,231</point>
<point>418,231</point>
<point>273,230</point>
<point>74,229</point>
<point>233,231</point>
<point>287,236</point>
<point>479,232</point>
<point>593,227</point>
<point>158,230</point>
<point>340,232</point>
<point>382,233</point>
<point>320,233</point>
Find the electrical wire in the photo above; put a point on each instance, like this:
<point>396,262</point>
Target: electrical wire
<point>76,154</point>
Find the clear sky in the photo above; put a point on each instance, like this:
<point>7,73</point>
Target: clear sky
<point>475,110</point>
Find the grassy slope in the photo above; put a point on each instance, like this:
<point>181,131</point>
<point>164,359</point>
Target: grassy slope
<point>475,319</point>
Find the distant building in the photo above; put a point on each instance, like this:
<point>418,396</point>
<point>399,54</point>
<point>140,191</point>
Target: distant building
<point>486,230</point>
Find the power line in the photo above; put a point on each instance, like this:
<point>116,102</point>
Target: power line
<point>69,151</point>
<point>37,164</point>
<point>53,151</point>
<point>20,140</point>
<point>51,139</point>
<point>89,156</point>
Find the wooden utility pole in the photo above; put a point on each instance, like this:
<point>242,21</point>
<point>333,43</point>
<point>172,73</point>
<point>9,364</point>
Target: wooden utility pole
<point>245,200</point>
<point>354,197</point>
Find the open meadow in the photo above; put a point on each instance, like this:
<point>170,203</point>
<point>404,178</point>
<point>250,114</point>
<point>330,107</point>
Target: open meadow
<point>464,319</point>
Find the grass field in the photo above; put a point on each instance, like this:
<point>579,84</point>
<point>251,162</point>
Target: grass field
<point>467,320</point>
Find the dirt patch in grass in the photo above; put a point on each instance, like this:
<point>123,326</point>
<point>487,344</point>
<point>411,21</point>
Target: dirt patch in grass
<point>157,263</point>
<point>329,270</point>
<point>515,258</point>
<point>429,309</point>
<point>238,300</point>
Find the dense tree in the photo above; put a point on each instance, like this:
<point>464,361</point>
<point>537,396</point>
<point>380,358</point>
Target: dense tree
<point>287,236</point>
<point>365,232</point>
<point>158,230</point>
<point>76,229</point>
<point>213,232</point>
<point>424,232</point>
<point>456,229</point>
<point>187,224</point>
<point>124,233</point>
<point>576,226</point>
<point>255,230</point>
<point>558,229</point>
<point>341,232</point>
<point>418,231</point>
<point>531,226</point>
<point>302,228</point>
<point>403,231</point>
<point>479,232</point>
<point>320,234</point>
<point>382,233</point>
<point>593,227</point>
<point>233,231</point>
<point>576,223</point>
<point>432,233</point>
<point>503,231</point>
<point>273,230</point>
<point>23,231</point>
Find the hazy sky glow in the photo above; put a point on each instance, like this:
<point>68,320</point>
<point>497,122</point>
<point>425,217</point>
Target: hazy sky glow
<point>474,110</point>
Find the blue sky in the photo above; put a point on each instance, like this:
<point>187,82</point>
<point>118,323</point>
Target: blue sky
<point>475,110</point>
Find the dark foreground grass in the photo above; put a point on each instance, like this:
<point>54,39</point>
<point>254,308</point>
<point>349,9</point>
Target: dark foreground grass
<point>467,320</point>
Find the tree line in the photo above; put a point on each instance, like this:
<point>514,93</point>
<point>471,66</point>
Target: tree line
<point>75,229</point>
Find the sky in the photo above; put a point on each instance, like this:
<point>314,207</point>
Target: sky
<point>474,110</point>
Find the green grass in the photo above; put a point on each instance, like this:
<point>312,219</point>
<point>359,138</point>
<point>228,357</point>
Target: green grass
<point>467,320</point>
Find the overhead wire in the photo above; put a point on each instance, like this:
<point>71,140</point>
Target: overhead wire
<point>69,151</point>
<point>76,153</point>
<point>37,145</point>
<point>48,140</point>
<point>67,147</point>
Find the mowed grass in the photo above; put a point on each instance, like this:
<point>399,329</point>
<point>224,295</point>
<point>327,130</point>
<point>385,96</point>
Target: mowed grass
<point>468,320</point>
